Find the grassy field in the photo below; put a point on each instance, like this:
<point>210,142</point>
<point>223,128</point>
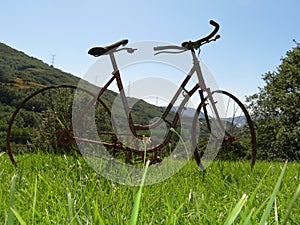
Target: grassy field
<point>53,189</point>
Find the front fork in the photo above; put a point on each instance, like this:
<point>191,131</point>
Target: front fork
<point>218,130</point>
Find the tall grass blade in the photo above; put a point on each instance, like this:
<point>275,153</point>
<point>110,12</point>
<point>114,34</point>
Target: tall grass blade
<point>253,195</point>
<point>235,212</point>
<point>70,207</point>
<point>60,122</point>
<point>136,205</point>
<point>247,220</point>
<point>275,212</point>
<point>261,207</point>
<point>181,139</point>
<point>11,216</point>
<point>34,201</point>
<point>272,198</point>
<point>296,195</point>
<point>76,216</point>
<point>18,216</point>
<point>96,215</point>
<point>43,179</point>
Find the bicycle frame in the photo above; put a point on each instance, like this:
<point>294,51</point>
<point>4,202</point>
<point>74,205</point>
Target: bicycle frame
<point>210,107</point>
<point>200,87</point>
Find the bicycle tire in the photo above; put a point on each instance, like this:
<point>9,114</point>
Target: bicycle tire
<point>239,138</point>
<point>43,122</point>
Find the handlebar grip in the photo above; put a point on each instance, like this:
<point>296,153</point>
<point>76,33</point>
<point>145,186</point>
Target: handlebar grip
<point>167,47</point>
<point>159,48</point>
<point>198,43</point>
<point>215,31</point>
<point>214,23</point>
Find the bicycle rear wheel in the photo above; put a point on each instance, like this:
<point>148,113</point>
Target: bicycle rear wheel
<point>42,124</point>
<point>238,139</point>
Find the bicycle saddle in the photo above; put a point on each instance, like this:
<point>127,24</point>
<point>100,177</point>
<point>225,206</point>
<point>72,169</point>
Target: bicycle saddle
<point>98,51</point>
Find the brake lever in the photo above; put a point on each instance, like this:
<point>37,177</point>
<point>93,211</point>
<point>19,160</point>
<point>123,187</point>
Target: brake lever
<point>129,50</point>
<point>216,37</point>
<point>206,42</point>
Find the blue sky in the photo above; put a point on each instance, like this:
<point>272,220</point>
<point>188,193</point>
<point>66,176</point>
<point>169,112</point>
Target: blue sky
<point>255,34</point>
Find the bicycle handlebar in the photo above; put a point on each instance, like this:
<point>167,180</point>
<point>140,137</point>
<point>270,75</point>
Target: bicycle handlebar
<point>208,38</point>
<point>168,47</point>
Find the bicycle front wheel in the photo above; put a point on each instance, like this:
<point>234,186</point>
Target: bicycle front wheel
<point>238,139</point>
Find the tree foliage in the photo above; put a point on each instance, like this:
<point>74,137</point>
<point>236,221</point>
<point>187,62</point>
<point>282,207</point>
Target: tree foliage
<point>276,109</point>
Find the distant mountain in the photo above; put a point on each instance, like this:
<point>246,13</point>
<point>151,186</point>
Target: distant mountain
<point>189,112</point>
<point>239,120</point>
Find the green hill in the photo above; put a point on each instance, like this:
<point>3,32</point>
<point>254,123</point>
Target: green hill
<point>20,75</point>
<point>17,68</point>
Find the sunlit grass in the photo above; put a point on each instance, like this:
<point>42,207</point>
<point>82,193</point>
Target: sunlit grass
<point>51,189</point>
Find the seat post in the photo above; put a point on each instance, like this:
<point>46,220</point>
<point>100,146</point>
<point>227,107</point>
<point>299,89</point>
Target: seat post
<point>117,75</point>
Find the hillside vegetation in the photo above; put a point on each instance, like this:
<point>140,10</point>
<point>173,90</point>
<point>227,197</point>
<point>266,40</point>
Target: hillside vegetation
<point>19,69</point>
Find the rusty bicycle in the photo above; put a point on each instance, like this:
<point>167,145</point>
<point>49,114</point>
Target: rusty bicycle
<point>220,121</point>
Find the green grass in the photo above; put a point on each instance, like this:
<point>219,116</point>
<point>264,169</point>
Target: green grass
<point>52,189</point>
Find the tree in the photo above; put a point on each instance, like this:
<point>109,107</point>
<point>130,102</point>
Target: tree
<point>276,109</point>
